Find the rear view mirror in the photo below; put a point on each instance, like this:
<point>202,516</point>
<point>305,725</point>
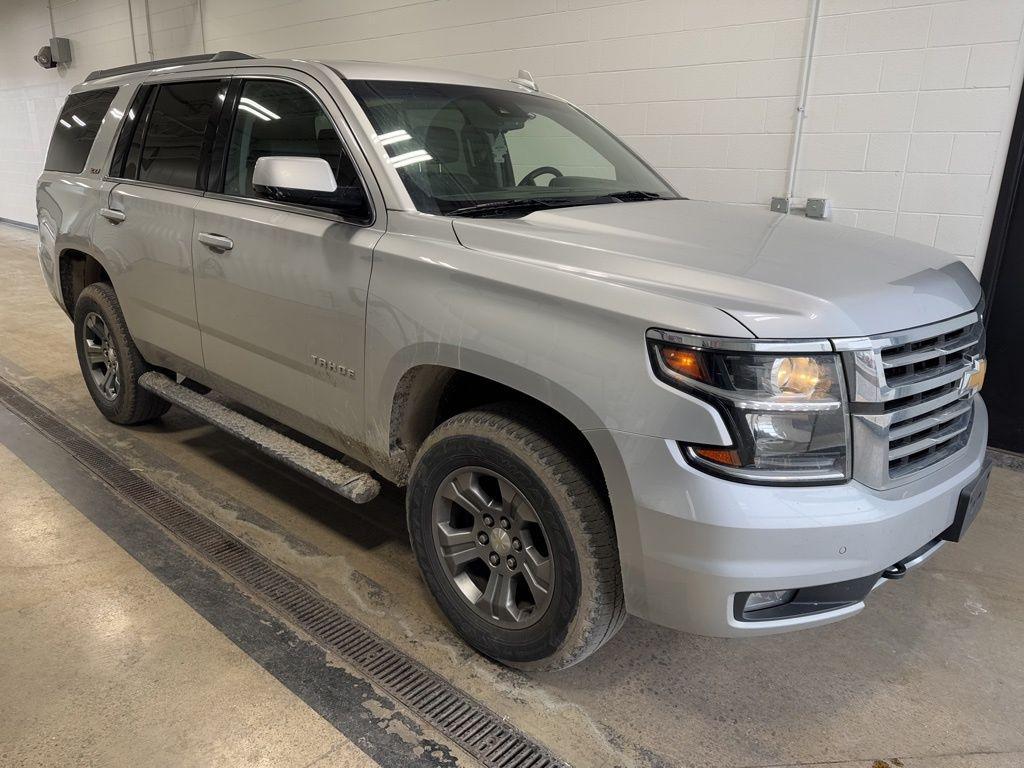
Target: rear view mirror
<point>306,181</point>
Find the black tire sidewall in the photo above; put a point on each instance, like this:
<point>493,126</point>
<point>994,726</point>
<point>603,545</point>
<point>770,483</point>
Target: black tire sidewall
<point>87,303</point>
<point>540,640</point>
<point>133,404</point>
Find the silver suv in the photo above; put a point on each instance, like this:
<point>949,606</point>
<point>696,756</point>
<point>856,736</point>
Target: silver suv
<point>601,397</point>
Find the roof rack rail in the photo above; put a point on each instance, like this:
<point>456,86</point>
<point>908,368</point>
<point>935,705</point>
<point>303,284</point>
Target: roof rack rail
<point>144,66</point>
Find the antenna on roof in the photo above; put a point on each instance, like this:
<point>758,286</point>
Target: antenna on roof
<point>525,79</point>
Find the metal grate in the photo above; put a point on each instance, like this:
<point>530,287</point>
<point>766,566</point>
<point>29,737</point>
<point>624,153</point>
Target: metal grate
<point>459,717</point>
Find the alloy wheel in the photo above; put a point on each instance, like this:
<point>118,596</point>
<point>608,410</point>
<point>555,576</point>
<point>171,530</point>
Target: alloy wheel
<point>101,356</point>
<point>493,547</point>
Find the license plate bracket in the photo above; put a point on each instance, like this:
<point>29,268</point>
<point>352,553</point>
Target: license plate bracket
<point>970,501</point>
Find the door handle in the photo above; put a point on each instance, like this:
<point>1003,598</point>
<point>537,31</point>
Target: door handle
<point>114,217</point>
<point>217,242</point>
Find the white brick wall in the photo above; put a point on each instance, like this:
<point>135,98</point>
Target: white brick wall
<point>911,100</point>
<point>31,97</point>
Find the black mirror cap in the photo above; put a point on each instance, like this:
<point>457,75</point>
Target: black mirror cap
<point>348,202</point>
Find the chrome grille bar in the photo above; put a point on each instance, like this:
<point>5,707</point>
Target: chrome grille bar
<point>898,358</point>
<point>924,381</point>
<point>937,438</point>
<point>924,406</point>
<point>959,408</point>
<point>909,409</point>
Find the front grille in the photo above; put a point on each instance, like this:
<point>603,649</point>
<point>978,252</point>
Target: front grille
<point>908,407</point>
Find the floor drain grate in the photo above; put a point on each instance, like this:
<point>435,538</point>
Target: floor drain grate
<point>462,719</point>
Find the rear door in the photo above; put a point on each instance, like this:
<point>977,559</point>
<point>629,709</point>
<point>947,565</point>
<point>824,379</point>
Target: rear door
<point>159,170</point>
<point>282,307</point>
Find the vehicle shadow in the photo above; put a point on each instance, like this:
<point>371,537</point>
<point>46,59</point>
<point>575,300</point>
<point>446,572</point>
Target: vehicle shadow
<point>366,525</point>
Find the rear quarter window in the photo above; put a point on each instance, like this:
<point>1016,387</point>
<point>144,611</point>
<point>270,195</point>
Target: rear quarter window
<point>76,130</point>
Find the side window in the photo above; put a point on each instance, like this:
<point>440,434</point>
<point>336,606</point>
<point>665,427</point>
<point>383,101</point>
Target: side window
<point>275,118</point>
<point>76,129</point>
<point>177,128</point>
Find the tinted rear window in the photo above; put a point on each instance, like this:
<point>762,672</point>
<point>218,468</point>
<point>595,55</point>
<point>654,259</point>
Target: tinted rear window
<point>176,131</point>
<point>76,130</point>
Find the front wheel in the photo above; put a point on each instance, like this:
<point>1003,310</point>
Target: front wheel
<point>514,540</point>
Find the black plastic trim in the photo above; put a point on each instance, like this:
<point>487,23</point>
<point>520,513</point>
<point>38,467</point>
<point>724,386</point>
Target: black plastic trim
<point>969,503</point>
<point>809,600</point>
<point>824,598</point>
<point>218,158</point>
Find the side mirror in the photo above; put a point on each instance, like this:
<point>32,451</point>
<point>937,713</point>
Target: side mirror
<point>306,181</point>
<point>301,174</point>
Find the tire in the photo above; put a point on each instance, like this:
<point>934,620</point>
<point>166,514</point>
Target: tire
<point>104,346</point>
<point>583,607</point>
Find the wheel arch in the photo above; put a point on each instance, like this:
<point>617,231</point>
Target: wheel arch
<point>78,267</point>
<point>426,394</point>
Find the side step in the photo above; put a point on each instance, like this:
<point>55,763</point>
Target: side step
<point>353,484</point>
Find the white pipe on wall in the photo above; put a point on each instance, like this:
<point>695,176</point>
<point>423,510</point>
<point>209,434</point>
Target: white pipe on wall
<point>149,31</point>
<point>805,83</point>
<point>131,31</point>
<point>202,26</point>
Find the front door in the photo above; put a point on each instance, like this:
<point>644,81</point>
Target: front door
<point>281,289</point>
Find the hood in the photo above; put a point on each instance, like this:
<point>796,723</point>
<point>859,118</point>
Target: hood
<point>780,276</point>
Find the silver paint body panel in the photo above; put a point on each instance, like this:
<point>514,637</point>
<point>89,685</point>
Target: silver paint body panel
<point>556,305</point>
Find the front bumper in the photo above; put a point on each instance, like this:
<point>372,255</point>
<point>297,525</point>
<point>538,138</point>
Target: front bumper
<point>689,542</point>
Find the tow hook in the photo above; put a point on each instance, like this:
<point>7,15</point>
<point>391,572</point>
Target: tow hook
<point>895,571</point>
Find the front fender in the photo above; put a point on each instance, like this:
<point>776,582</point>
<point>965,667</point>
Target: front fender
<point>578,345</point>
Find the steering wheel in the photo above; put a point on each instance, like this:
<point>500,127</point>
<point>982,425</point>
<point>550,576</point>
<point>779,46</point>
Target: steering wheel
<point>530,179</point>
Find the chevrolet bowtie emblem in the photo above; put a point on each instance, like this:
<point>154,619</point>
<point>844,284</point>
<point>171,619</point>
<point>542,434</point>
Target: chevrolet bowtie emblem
<point>974,378</point>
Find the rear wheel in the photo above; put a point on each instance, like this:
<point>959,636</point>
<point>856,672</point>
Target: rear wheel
<point>111,363</point>
<point>514,540</point>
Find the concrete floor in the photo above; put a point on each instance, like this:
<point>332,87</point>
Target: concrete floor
<point>931,674</point>
<point>104,665</point>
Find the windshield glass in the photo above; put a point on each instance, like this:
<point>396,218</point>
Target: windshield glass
<point>460,147</point>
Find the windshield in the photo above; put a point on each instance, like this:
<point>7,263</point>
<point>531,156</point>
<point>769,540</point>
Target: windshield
<point>461,149</point>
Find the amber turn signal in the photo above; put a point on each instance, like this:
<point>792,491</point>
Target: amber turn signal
<point>685,362</point>
<point>726,456</point>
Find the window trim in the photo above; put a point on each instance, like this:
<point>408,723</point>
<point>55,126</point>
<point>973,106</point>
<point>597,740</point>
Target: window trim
<point>227,119</point>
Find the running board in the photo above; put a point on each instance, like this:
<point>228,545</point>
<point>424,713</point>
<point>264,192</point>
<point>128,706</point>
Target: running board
<point>355,485</point>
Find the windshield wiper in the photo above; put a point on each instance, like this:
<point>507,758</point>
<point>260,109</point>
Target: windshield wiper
<point>527,204</point>
<point>638,195</point>
<point>517,204</point>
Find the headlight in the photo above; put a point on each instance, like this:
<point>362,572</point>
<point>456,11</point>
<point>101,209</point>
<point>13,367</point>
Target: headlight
<point>784,405</point>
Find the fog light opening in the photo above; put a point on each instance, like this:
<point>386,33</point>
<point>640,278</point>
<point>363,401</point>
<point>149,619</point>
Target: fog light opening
<point>758,601</point>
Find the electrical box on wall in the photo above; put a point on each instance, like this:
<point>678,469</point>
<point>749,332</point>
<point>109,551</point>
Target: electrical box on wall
<point>60,50</point>
<point>57,52</point>
<point>818,208</point>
